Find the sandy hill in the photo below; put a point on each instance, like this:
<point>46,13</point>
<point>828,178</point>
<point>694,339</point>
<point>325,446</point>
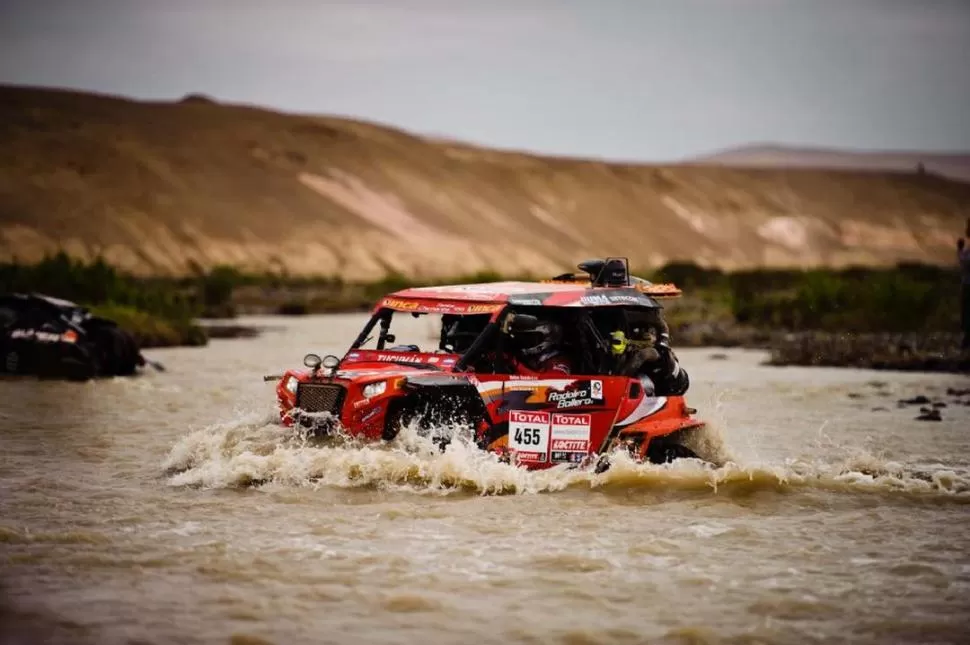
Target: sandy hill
<point>953,166</point>
<point>159,188</point>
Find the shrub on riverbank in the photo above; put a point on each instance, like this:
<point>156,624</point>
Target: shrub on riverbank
<point>151,330</point>
<point>717,305</point>
<point>901,318</point>
<point>906,298</point>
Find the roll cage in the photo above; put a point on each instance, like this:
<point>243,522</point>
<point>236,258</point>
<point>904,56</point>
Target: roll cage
<point>484,342</point>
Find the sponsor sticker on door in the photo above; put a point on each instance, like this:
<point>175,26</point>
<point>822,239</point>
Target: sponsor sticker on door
<point>570,437</point>
<point>529,435</point>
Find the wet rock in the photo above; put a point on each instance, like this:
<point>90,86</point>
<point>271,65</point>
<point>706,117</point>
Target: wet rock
<point>916,400</point>
<point>930,415</point>
<point>952,391</point>
<point>854,395</point>
<point>939,404</point>
<point>924,352</point>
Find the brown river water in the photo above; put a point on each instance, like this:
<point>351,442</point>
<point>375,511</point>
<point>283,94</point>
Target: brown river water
<point>171,508</point>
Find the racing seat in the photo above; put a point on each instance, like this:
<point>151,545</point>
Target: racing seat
<point>459,332</point>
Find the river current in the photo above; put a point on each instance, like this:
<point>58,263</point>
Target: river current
<point>172,508</point>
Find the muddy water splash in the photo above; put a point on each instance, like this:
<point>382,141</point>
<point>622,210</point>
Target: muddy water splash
<point>248,453</point>
<point>172,508</point>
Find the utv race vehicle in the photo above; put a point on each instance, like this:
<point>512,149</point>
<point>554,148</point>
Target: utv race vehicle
<point>536,421</point>
<point>53,338</point>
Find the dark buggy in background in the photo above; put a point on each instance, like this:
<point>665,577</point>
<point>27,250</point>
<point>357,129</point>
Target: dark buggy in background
<point>53,338</point>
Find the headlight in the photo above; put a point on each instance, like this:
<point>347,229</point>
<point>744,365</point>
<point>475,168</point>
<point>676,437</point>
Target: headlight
<point>291,385</point>
<point>374,389</point>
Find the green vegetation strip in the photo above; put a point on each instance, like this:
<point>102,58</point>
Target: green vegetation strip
<point>750,306</point>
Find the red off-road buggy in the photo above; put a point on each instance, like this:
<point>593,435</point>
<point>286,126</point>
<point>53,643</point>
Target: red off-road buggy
<point>458,372</point>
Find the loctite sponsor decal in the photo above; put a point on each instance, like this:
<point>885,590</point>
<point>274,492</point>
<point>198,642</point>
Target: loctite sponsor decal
<point>570,445</point>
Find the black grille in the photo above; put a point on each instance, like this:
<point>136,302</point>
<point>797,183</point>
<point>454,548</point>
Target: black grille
<point>320,397</point>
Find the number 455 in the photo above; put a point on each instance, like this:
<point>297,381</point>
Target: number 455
<point>528,436</point>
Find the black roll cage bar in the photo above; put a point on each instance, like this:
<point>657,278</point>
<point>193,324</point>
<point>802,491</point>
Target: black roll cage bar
<point>594,346</point>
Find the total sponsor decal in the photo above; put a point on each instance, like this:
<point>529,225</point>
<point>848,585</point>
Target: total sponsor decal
<point>562,437</point>
<point>587,393</point>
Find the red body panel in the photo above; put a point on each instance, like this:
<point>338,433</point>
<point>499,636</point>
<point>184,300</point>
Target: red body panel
<point>538,421</point>
<point>569,419</point>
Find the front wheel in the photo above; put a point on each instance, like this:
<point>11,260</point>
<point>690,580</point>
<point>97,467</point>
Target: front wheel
<point>436,415</point>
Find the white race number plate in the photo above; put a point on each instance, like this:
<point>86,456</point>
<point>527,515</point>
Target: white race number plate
<point>529,435</point>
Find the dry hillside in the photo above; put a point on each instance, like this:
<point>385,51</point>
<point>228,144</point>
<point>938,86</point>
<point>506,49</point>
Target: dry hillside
<point>162,187</point>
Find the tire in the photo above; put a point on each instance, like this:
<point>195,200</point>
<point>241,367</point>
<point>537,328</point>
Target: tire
<point>663,450</point>
<point>115,350</point>
<point>433,411</point>
<point>11,362</point>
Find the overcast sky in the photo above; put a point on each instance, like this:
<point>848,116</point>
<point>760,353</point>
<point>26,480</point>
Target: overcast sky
<point>623,79</point>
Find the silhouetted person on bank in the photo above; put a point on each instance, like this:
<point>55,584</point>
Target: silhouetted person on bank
<point>963,257</point>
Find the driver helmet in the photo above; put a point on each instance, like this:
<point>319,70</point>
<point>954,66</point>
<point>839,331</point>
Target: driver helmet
<point>618,343</point>
<point>542,342</point>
